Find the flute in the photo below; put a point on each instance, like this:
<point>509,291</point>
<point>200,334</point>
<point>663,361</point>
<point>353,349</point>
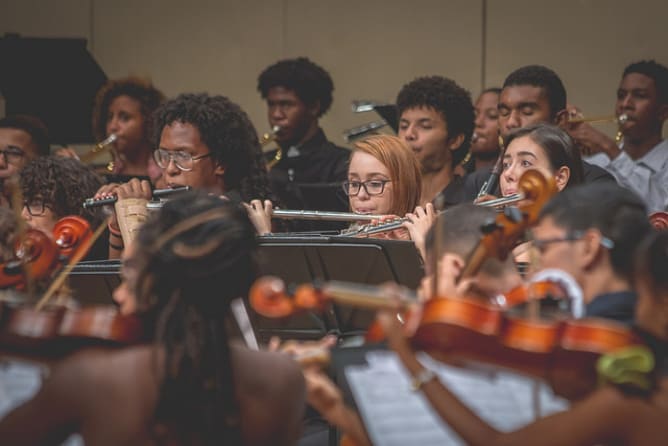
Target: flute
<point>157,193</point>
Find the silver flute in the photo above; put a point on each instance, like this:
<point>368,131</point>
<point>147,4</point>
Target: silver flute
<point>369,229</point>
<point>322,215</point>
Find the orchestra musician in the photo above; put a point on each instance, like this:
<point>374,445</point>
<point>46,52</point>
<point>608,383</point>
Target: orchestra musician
<point>531,94</point>
<point>298,93</point>
<point>436,120</point>
<point>613,414</point>
<point>205,142</point>
<point>485,140</point>
<point>54,187</point>
<point>592,231</point>
<point>538,146</point>
<point>641,163</point>
<point>191,384</point>
<point>22,139</point>
<point>124,107</point>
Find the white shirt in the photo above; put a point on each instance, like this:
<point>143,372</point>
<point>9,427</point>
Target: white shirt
<point>646,176</point>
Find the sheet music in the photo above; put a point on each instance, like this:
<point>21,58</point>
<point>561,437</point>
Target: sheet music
<point>395,415</point>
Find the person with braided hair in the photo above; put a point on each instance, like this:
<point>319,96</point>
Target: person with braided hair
<point>192,384</point>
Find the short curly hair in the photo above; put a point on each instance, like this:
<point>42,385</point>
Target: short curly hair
<point>657,72</point>
<point>310,82</point>
<point>449,99</point>
<point>228,133</point>
<point>541,77</point>
<point>63,183</point>
<point>137,88</point>
<point>33,126</point>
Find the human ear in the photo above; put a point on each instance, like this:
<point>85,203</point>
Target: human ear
<point>562,176</point>
<point>456,142</point>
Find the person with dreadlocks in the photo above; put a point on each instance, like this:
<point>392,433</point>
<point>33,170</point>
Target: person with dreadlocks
<point>192,384</point>
<point>202,141</point>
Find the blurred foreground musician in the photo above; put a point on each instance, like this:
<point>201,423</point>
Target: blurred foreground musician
<point>191,384</point>
<point>633,412</point>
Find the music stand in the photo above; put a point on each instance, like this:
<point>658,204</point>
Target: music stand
<point>296,260</point>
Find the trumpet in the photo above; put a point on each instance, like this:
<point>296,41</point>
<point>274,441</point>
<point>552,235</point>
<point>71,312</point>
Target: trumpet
<point>98,149</point>
<point>621,119</point>
<point>357,132</point>
<point>269,137</point>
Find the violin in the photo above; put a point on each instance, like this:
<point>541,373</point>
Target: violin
<point>464,331</point>
<point>501,235</point>
<point>56,329</point>
<point>38,256</point>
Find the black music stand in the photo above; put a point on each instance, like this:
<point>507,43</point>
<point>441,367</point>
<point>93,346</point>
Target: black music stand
<point>295,260</point>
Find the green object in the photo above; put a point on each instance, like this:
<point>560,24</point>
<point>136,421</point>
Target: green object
<point>629,367</point>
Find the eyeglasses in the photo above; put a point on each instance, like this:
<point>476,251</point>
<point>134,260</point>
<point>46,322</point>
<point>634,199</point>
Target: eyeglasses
<point>372,187</point>
<point>541,244</point>
<point>36,207</point>
<point>182,160</point>
<point>13,155</point>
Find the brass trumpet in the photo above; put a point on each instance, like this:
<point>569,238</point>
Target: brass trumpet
<point>98,148</point>
<point>621,119</point>
<point>269,137</point>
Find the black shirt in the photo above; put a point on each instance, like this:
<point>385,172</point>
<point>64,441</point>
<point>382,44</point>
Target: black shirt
<point>310,176</point>
<point>618,306</point>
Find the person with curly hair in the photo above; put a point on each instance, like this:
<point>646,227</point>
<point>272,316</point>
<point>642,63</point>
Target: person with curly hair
<point>192,382</point>
<point>54,187</point>
<point>436,120</point>
<point>205,142</point>
<point>311,169</point>
<point>124,107</point>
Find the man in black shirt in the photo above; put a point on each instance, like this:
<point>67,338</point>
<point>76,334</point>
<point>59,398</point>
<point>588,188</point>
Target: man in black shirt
<point>310,170</point>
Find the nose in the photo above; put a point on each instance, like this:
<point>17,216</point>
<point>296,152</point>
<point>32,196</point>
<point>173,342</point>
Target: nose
<point>3,160</point>
<point>363,194</point>
<point>513,120</point>
<point>171,169</point>
<point>408,133</point>
<point>510,174</point>
<point>276,114</point>
<point>112,126</point>
<point>25,214</point>
<point>479,121</point>
<point>626,102</point>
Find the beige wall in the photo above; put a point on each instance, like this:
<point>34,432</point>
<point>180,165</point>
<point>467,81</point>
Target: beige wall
<point>371,47</point>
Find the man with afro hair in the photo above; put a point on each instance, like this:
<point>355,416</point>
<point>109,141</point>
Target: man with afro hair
<point>436,120</point>
<point>311,169</point>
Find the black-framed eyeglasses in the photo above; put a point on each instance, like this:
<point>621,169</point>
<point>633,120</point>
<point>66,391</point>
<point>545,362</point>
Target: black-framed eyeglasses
<point>182,160</point>
<point>372,187</point>
<point>36,207</point>
<point>12,154</point>
<point>573,236</point>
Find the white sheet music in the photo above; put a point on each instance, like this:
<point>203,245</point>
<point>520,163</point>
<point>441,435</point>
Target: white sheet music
<point>395,415</point>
